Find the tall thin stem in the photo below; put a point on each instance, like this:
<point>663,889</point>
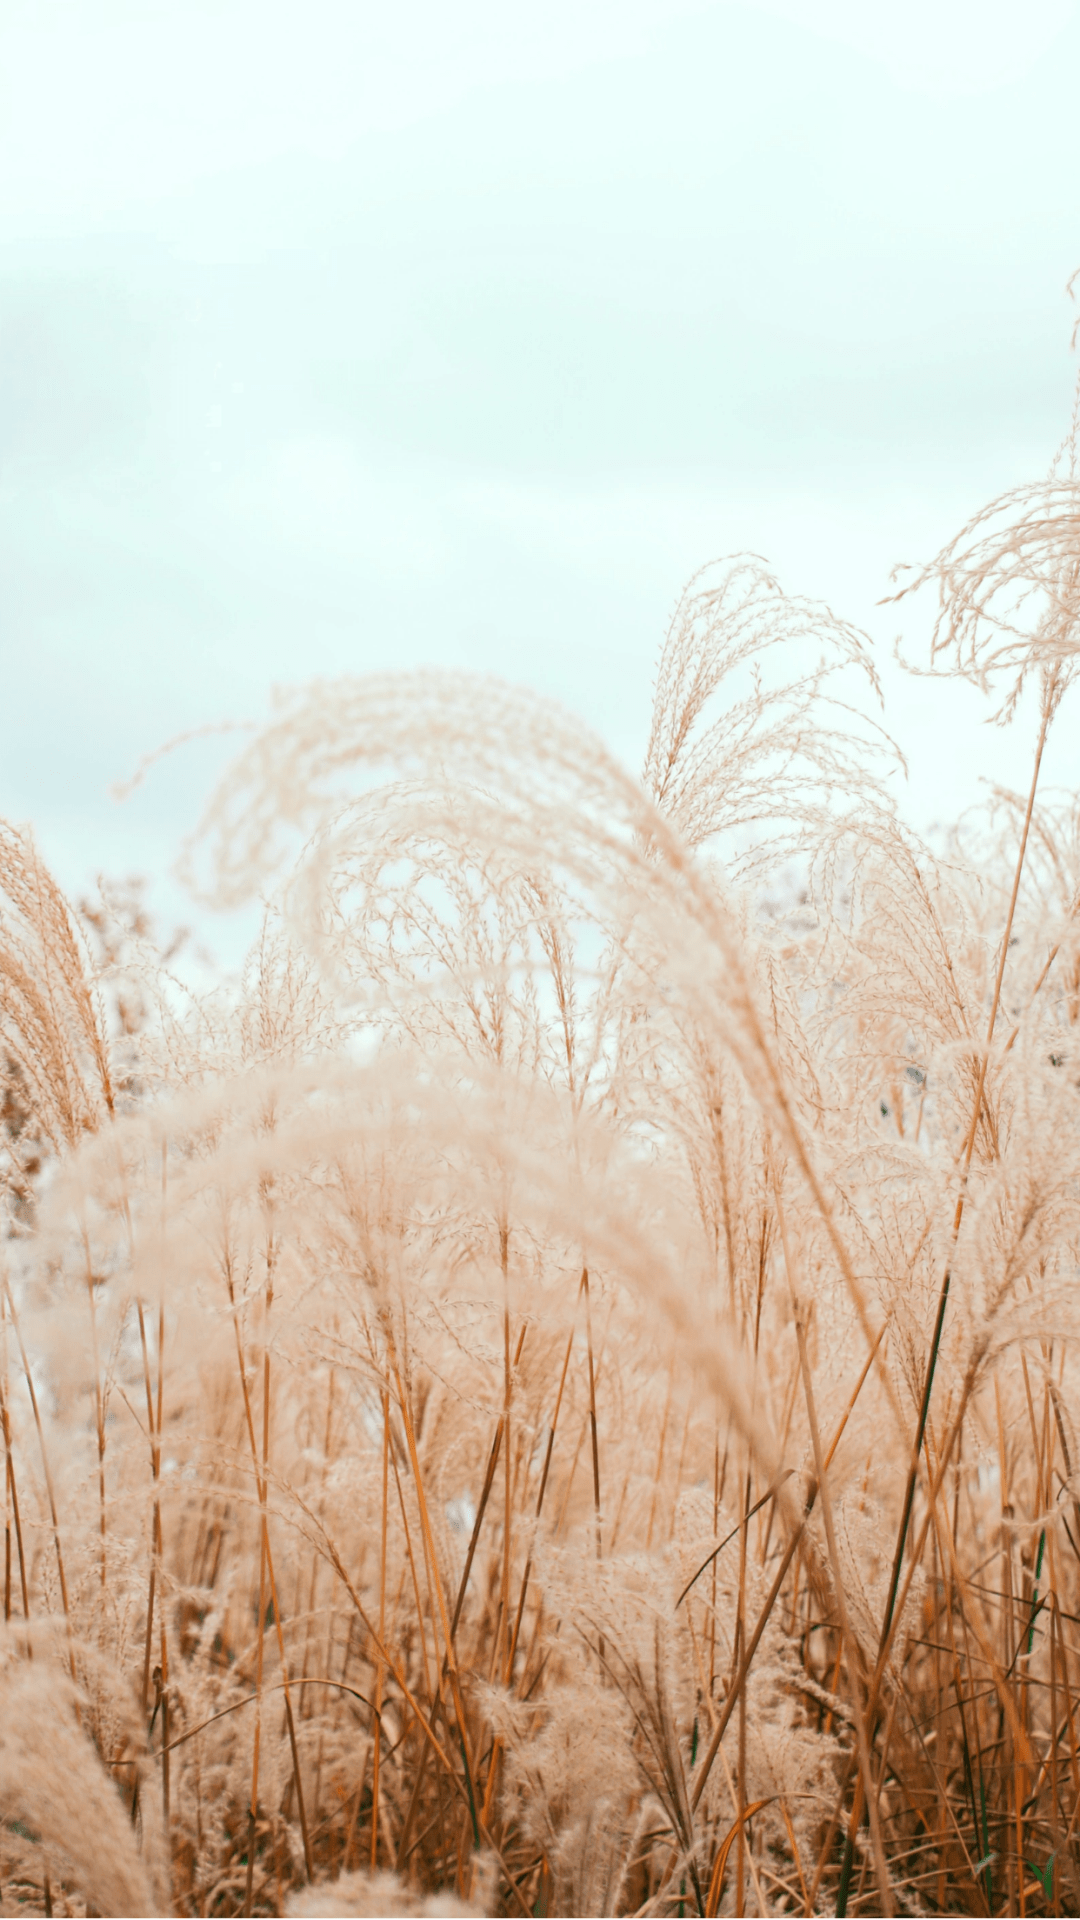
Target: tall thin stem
<point>849,1640</point>
<point>11,1491</point>
<point>266,1562</point>
<point>49,1488</point>
<point>381,1668</point>
<point>592,1408</point>
<point>1049,697</point>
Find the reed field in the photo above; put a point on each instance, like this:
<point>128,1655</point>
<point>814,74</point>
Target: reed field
<point>559,1393</point>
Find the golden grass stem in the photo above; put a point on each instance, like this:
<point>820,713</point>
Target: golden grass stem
<point>969,1148</point>
<point>12,1493</point>
<point>380,1667</point>
<point>849,1640</point>
<point>49,1487</point>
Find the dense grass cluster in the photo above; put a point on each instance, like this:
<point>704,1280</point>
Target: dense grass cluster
<point>560,1393</point>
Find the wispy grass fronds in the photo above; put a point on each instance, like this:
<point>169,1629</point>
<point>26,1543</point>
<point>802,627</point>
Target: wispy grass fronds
<point>559,1393</point>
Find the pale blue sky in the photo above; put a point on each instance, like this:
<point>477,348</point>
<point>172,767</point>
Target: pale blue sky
<point>336,337</point>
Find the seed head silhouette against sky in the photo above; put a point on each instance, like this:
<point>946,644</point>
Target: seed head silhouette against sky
<point>341,336</point>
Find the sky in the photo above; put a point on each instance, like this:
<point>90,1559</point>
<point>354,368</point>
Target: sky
<point>337,337</point>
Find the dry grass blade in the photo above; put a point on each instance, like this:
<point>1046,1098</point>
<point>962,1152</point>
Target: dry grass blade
<point>716,1884</point>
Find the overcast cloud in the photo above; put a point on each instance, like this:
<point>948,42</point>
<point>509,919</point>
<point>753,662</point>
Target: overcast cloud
<point>336,337</point>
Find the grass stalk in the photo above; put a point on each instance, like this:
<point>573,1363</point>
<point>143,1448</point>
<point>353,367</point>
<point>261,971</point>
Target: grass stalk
<point>380,1669</point>
<point>1048,701</point>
